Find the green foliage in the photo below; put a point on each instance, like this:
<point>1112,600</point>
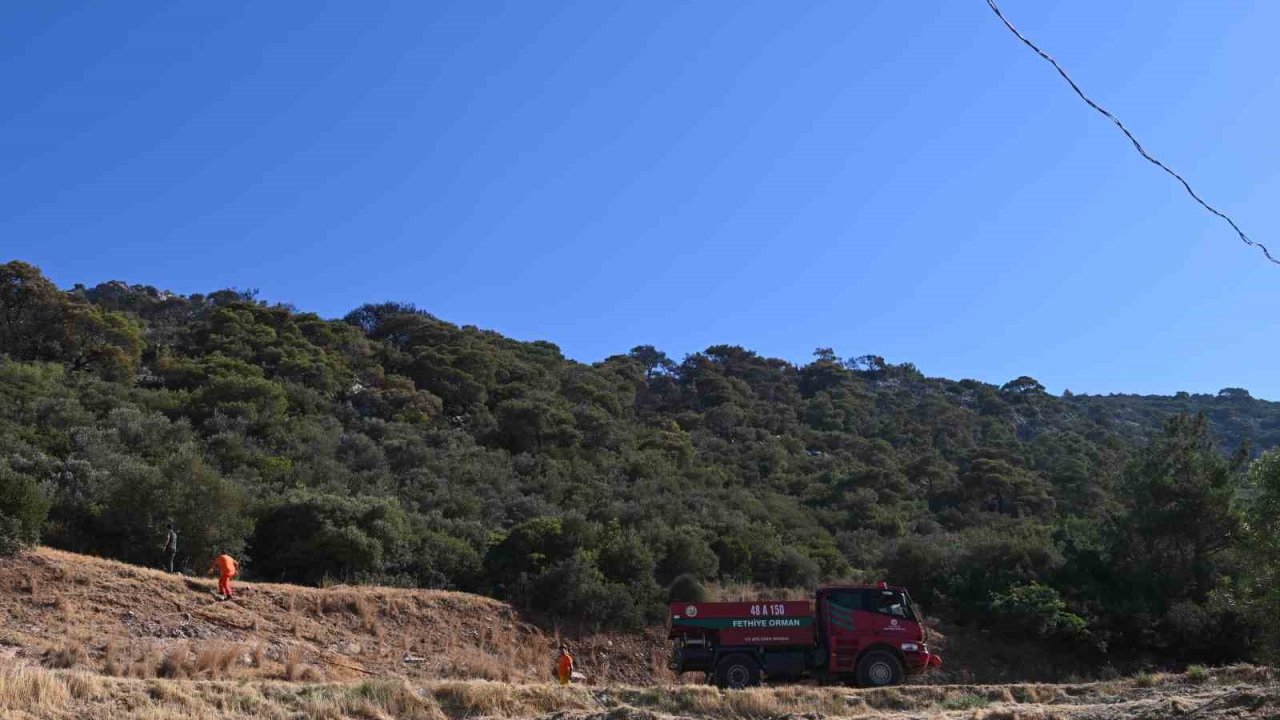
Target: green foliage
<point>687,553</point>
<point>1260,545</point>
<point>393,446</point>
<point>310,537</point>
<point>22,510</point>
<point>686,588</point>
<point>1037,611</point>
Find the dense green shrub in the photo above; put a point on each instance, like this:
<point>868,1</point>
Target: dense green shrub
<point>22,510</point>
<point>686,588</point>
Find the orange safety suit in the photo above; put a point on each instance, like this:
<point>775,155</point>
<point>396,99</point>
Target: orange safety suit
<point>226,568</point>
<point>564,668</point>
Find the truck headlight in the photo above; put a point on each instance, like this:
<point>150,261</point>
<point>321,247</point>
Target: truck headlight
<point>910,647</point>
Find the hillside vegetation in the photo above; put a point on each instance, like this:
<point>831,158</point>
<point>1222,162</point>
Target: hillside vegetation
<point>397,448</point>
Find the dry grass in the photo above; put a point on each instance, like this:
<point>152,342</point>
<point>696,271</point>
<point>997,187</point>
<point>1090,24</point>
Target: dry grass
<point>293,667</point>
<point>141,614</point>
<point>214,659</point>
<point>69,654</point>
<point>29,687</point>
<point>744,592</point>
<point>30,693</point>
<point>173,664</point>
<point>111,658</point>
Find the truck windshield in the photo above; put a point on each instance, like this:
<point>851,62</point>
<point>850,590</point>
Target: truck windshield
<point>895,603</point>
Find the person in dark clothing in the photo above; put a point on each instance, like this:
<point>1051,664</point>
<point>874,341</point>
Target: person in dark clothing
<point>171,545</point>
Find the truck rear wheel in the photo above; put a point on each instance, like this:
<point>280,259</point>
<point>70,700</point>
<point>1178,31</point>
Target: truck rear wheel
<point>879,668</point>
<point>737,671</point>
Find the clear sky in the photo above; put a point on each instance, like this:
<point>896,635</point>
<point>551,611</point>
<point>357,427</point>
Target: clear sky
<point>904,179</point>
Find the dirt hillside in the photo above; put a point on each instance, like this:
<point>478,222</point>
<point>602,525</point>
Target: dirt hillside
<point>62,610</point>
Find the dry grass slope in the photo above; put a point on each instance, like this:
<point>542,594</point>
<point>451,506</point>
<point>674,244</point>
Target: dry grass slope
<point>127,621</point>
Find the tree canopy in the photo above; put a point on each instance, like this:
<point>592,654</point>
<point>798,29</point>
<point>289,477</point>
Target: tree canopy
<point>392,446</point>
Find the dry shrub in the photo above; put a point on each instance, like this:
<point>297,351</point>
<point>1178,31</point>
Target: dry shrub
<point>256,655</point>
<point>964,701</point>
<point>337,602</point>
<point>754,703</point>
<point>174,662</point>
<point>743,592</point>
<point>214,659</point>
<point>368,614</point>
<point>1245,674</point>
<point>292,661</point>
<point>684,700</point>
<point>32,585</point>
<point>170,694</point>
<point>145,667</point>
<point>1035,694</point>
<point>1015,713</point>
<point>111,658</point>
<point>83,685</point>
<point>66,655</point>
<point>394,699</point>
<point>477,698</point>
<point>470,662</point>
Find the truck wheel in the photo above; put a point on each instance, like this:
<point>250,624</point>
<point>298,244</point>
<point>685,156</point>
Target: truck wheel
<point>879,668</point>
<point>737,671</point>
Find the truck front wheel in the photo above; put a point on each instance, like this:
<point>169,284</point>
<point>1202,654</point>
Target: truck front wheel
<point>879,668</point>
<point>737,671</point>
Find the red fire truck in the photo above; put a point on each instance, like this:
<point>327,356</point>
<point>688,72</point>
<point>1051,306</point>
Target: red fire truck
<point>855,634</point>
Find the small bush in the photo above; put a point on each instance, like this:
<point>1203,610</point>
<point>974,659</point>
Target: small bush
<point>1197,674</point>
<point>1039,611</point>
<point>967,701</point>
<point>174,662</point>
<point>293,667</point>
<point>1144,680</point>
<point>111,659</point>
<point>65,656</point>
<point>686,588</point>
<point>23,509</point>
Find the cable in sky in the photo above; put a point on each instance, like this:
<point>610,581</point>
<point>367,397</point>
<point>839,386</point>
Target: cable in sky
<point>1137,145</point>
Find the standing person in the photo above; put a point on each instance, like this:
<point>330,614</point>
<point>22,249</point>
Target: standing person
<point>171,545</point>
<point>564,666</point>
<point>226,567</point>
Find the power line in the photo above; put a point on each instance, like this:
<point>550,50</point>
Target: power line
<point>1137,145</point>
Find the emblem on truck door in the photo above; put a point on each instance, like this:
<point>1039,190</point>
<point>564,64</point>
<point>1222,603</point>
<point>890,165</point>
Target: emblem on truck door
<point>691,611</point>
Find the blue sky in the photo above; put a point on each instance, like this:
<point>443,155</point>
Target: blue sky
<point>903,179</point>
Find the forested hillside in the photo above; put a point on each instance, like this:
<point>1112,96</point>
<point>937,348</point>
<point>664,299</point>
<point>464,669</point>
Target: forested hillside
<point>395,447</point>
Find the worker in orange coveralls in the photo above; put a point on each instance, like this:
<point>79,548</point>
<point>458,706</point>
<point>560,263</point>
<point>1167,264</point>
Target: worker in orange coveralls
<point>564,666</point>
<point>225,566</point>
